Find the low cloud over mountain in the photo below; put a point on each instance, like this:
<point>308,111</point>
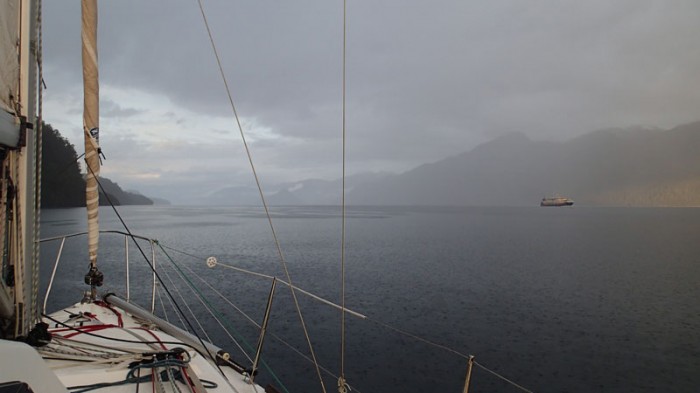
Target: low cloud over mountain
<point>614,167</point>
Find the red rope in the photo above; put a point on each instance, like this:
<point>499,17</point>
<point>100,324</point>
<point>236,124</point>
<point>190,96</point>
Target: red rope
<point>155,337</point>
<point>187,378</point>
<point>117,313</point>
<point>89,329</point>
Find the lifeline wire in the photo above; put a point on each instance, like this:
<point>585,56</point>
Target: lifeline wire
<point>262,196</point>
<point>179,294</point>
<point>251,320</point>
<point>209,307</point>
<point>380,323</point>
<point>150,264</point>
<point>503,378</point>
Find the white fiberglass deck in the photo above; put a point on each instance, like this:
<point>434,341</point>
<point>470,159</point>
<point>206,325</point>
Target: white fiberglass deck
<point>96,343</point>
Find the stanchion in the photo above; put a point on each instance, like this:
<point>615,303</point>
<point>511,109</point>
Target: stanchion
<point>470,364</point>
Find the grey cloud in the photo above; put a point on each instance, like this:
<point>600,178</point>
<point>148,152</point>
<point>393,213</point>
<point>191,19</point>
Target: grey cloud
<point>425,79</point>
<point>109,108</point>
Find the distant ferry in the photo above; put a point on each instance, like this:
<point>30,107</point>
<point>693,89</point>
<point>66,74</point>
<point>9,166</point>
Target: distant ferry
<point>557,201</point>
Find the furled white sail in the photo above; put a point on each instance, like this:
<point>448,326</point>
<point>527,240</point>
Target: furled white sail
<point>9,54</point>
<point>9,71</point>
<point>19,185</point>
<point>91,121</point>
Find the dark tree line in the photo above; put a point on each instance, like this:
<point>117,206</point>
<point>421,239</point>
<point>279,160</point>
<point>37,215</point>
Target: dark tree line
<point>63,184</point>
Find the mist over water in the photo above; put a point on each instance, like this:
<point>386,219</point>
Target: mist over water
<point>557,300</point>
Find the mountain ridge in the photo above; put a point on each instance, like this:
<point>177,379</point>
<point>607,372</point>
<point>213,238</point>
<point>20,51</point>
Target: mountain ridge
<point>634,166</point>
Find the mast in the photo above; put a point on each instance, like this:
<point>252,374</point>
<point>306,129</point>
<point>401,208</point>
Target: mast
<point>91,131</point>
<point>18,156</point>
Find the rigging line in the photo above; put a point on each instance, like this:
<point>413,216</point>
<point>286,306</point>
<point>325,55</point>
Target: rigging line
<point>296,288</point>
<point>70,164</point>
<point>421,339</point>
<point>262,196</point>
<point>182,252</point>
<point>221,295</point>
<point>172,306</point>
<point>322,300</point>
<point>150,264</point>
<point>269,277</point>
<point>38,163</point>
<point>238,269</point>
<point>208,305</point>
<point>362,316</point>
<point>162,305</point>
<point>254,323</point>
<point>179,294</point>
<point>341,380</point>
<point>266,276</point>
<point>385,325</point>
<point>503,378</point>
<point>212,310</point>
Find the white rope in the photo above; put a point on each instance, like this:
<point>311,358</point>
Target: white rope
<point>25,326</point>
<point>79,352</point>
<point>60,340</point>
<point>83,347</point>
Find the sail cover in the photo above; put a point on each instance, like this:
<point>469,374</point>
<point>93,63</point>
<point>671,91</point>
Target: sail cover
<point>91,122</point>
<point>9,54</point>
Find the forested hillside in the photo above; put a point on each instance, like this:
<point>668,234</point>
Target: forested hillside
<point>62,183</point>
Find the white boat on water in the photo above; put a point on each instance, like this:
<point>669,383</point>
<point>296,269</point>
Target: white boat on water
<point>556,201</point>
<point>103,342</point>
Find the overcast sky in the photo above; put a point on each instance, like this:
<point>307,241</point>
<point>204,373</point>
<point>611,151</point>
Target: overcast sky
<point>425,80</point>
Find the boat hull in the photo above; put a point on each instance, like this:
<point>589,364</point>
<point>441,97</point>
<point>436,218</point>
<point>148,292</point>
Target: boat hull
<point>556,202</point>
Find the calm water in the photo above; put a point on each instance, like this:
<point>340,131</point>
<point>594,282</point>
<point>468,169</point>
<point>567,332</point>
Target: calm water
<point>558,300</point>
